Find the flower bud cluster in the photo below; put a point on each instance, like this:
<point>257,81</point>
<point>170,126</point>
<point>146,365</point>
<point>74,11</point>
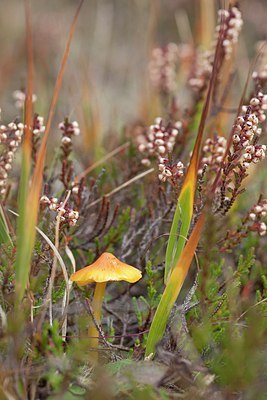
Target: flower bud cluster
<point>260,77</point>
<point>254,222</point>
<point>75,188</point>
<point>10,139</point>
<point>38,125</point>
<point>170,171</point>
<point>229,26</point>
<point>67,215</point>
<point>257,214</point>
<point>245,149</point>
<point>202,71</point>
<point>68,129</point>
<point>213,153</point>
<point>247,130</point>
<point>163,68</point>
<point>20,97</point>
<point>159,140</point>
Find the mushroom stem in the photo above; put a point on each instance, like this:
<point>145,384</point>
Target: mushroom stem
<point>97,308</point>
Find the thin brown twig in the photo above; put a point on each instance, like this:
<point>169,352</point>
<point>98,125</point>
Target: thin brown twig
<point>122,186</point>
<point>99,162</point>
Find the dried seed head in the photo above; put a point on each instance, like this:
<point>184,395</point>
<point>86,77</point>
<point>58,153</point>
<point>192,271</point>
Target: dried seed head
<point>66,140</point>
<point>247,156</point>
<point>236,139</point>
<point>159,142</point>
<point>262,229</point>
<point>258,209</point>
<point>167,172</point>
<point>162,177</point>
<point>252,216</point>
<point>141,147</point>
<point>75,189</point>
<point>161,149</point>
<point>254,101</point>
<point>45,200</point>
<point>146,162</point>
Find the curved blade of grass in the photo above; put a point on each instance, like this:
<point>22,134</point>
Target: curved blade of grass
<point>173,288</point>
<point>4,231</point>
<point>51,244</point>
<point>184,208</point>
<point>29,197</point>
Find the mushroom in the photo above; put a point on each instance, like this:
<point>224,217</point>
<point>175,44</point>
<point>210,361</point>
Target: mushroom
<point>105,269</point>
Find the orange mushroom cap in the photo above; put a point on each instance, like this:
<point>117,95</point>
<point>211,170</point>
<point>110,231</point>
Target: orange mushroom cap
<point>106,268</point>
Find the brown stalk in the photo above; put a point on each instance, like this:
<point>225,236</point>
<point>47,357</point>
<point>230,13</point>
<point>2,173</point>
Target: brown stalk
<point>99,162</point>
<point>35,190</point>
<point>104,216</point>
<point>115,213</point>
<point>192,172</point>
<point>37,176</point>
<point>27,142</point>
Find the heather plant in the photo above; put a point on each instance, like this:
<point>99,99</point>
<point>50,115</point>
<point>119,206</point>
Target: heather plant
<point>180,196</point>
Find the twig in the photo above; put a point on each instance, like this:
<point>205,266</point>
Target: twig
<point>124,185</point>
<point>54,266</point>
<point>254,305</point>
<point>98,327</point>
<point>105,158</point>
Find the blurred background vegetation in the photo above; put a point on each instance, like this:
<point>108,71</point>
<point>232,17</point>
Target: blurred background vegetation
<point>106,78</point>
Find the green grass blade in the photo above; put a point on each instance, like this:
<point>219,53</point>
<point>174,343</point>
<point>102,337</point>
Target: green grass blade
<point>4,231</point>
<point>175,245</point>
<point>185,204</point>
<point>23,253</point>
<point>178,258</point>
<point>170,252</point>
<point>173,288</point>
<point>29,195</point>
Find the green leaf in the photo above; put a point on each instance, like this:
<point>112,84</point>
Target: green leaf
<point>183,215</point>
<point>184,209</point>
<point>173,288</point>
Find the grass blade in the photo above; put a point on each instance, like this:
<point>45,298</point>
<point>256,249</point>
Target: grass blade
<point>178,255</point>
<point>184,208</point>
<point>22,263</point>
<point>173,288</point>
<point>29,199</point>
<point>4,231</point>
